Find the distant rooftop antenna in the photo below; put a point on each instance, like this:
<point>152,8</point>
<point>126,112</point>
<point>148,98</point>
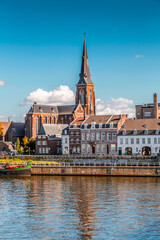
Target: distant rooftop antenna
<point>9,119</point>
<point>84,34</point>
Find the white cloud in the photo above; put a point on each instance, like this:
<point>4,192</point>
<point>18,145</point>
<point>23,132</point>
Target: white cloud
<point>59,96</point>
<point>115,106</point>
<point>64,95</point>
<point>2,83</point>
<point>2,117</point>
<point>139,56</point>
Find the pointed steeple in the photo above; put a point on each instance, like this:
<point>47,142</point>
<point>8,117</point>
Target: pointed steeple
<point>85,76</point>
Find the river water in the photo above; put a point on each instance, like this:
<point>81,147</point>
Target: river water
<point>80,208</point>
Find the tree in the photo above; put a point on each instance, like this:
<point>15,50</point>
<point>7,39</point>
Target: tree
<point>32,145</point>
<point>1,129</point>
<point>18,146</point>
<point>25,144</point>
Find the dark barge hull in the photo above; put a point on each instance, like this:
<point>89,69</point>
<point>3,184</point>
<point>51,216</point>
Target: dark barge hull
<point>25,171</point>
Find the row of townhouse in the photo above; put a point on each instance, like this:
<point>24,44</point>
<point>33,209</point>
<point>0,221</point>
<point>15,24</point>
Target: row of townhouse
<point>101,135</point>
<point>97,135</point>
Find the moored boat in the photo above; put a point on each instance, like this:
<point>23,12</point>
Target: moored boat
<point>15,170</point>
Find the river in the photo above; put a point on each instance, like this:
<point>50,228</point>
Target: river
<point>60,207</point>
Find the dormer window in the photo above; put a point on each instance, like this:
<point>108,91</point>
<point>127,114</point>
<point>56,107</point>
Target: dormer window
<point>144,125</point>
<point>145,131</point>
<point>134,132</point>
<point>85,125</point>
<point>93,124</point>
<point>75,125</point>
<point>100,125</point>
<point>111,125</point>
<point>157,131</point>
<point>124,132</point>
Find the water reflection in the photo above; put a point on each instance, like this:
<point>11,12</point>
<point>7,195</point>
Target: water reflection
<point>80,208</point>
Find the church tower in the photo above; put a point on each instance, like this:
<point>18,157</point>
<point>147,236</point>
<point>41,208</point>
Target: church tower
<point>85,88</point>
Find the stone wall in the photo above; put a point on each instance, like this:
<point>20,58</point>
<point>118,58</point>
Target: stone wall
<point>97,171</point>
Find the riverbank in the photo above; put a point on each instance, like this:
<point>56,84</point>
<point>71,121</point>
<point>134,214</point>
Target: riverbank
<point>141,171</point>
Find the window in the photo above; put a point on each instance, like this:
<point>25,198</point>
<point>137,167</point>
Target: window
<point>98,148</point>
<point>158,140</point>
<point>156,149</point>
<point>43,136</point>
<point>46,150</point>
<point>88,148</point>
<point>155,140</point>
<point>111,125</point>
<point>72,133</point>
<point>108,136</point>
<point>93,136</point>
<point>136,149</point>
<point>40,150</point>
<point>83,137</point>
<point>132,140</point>
<point>93,125</point>
<point>77,141</point>
<point>149,141</point>
<point>88,137</point>
<point>137,140</point>
<point>44,143</point>
<point>38,143</point>
<point>147,114</point>
<point>113,148</point>
<point>82,96</point>
<point>74,150</point>
<point>157,132</point>
<point>100,125</point>
<point>65,150</point>
<point>65,132</point>
<point>39,137</point>
<point>124,132</point>
<point>65,140</point>
<point>83,148</point>
<point>103,148</point>
<point>43,150</point>
<point>145,131</point>
<point>121,140</point>
<point>135,132</point>
<point>114,136</point>
<point>126,141</point>
<point>72,141</point>
<point>98,136</point>
<point>103,137</point>
<point>78,150</point>
<point>143,140</point>
<point>57,143</point>
<point>57,150</point>
<point>77,133</point>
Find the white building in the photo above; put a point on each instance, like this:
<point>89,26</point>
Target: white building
<point>65,141</point>
<point>139,137</point>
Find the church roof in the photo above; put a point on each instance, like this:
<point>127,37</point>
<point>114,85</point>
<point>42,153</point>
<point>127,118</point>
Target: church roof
<point>85,76</point>
<point>63,109</point>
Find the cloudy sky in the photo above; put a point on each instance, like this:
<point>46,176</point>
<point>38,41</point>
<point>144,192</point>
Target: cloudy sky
<point>41,45</point>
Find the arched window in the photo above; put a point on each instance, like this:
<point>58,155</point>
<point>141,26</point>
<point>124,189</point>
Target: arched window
<point>90,99</point>
<point>82,96</point>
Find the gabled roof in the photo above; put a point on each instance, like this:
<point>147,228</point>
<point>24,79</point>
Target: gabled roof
<point>141,124</point>
<point>85,76</point>
<point>103,119</point>
<point>78,121</point>
<point>5,126</point>
<point>52,130</point>
<point>63,109</point>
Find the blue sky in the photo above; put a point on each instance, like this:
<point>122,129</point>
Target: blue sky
<point>41,46</point>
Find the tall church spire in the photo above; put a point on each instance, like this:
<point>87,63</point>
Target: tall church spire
<point>85,76</point>
<point>85,88</point>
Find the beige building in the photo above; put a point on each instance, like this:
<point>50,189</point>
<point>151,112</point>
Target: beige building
<point>150,110</point>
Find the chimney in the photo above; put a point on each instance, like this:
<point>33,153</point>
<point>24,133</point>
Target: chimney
<point>155,105</point>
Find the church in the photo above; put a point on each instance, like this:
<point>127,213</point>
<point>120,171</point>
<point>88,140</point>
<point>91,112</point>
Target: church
<point>85,104</point>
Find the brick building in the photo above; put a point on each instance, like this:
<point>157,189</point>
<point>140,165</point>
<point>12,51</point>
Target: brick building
<point>12,131</point>
<point>99,134</point>
<point>48,140</point>
<point>84,104</point>
<point>149,110</point>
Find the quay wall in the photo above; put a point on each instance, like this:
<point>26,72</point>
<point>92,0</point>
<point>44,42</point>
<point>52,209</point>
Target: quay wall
<point>146,171</point>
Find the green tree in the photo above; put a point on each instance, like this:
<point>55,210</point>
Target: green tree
<point>25,143</point>
<point>19,148</point>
